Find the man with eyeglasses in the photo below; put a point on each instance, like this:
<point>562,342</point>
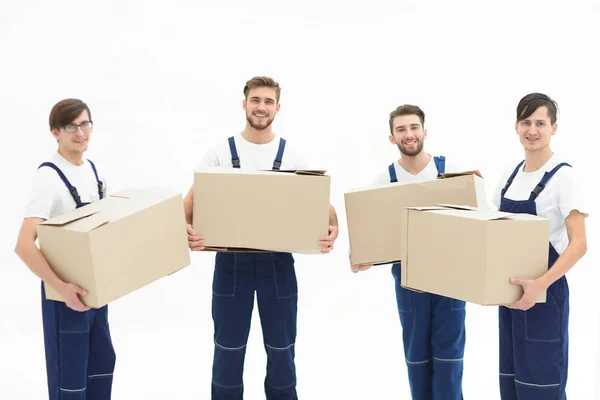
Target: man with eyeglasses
<point>80,358</point>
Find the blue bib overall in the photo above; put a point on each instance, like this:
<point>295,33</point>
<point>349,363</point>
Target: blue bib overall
<point>534,343</point>
<point>80,358</point>
<point>433,333</point>
<point>236,278</point>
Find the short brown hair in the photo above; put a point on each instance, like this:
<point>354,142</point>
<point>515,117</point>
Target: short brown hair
<point>262,81</point>
<point>66,111</point>
<point>406,109</point>
<point>530,103</point>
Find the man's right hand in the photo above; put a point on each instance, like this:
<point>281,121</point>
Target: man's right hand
<point>196,243</point>
<point>70,293</point>
<point>357,268</point>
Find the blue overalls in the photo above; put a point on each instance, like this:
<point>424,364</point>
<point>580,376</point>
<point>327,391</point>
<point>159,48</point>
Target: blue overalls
<point>80,358</point>
<point>534,343</point>
<point>237,276</point>
<point>433,333</point>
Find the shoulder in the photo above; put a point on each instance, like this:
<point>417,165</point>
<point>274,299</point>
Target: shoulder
<point>45,175</point>
<point>383,176</point>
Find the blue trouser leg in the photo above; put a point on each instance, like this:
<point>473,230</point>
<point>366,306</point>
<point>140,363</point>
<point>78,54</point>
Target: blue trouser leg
<point>233,300</point>
<point>277,295</point>
<point>415,317</point>
<point>433,331</point>
<point>73,342</point>
<point>538,348</point>
<point>448,338</point>
<point>508,391</point>
<point>102,358</point>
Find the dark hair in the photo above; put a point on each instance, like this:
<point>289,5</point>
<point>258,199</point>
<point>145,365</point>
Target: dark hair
<point>406,109</point>
<point>532,102</point>
<point>262,81</point>
<point>66,111</point>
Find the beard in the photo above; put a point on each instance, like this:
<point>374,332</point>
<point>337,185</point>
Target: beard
<point>411,153</point>
<point>259,126</point>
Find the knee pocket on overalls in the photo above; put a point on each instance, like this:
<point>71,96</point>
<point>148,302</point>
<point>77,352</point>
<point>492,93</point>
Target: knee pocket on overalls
<point>528,390</point>
<point>403,298</point>
<point>224,279</point>
<point>543,321</point>
<point>284,276</point>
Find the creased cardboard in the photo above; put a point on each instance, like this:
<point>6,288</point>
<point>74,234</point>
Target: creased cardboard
<point>276,211</point>
<point>374,213</point>
<point>469,254</point>
<point>118,244</point>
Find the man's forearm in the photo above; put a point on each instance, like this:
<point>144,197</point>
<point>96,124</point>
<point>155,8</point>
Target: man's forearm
<point>333,220</point>
<point>36,262</point>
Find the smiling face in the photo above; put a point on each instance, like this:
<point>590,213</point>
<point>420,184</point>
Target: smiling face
<point>73,137</point>
<point>408,134</point>
<point>536,130</point>
<point>261,107</point>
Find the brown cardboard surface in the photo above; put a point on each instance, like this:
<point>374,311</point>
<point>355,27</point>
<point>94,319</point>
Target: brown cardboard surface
<point>374,213</point>
<point>470,254</point>
<point>118,244</point>
<point>279,211</point>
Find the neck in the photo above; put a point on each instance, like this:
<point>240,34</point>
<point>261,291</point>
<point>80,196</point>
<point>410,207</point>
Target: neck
<point>73,158</point>
<point>415,164</point>
<point>258,136</point>
<point>535,160</point>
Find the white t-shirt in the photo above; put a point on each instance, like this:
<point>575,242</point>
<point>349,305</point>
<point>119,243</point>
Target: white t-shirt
<point>428,173</point>
<point>49,195</point>
<point>562,194</point>
<point>253,156</point>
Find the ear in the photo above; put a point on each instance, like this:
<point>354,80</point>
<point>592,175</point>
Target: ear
<point>54,132</point>
<point>277,108</point>
<point>424,133</point>
<point>244,104</point>
<point>392,139</point>
<point>554,128</point>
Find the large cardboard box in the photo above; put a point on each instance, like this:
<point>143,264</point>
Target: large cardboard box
<point>241,210</point>
<point>118,244</point>
<point>470,254</point>
<point>374,213</point>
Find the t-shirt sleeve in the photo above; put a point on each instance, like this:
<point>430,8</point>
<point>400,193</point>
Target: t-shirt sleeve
<point>42,196</point>
<point>571,194</point>
<point>452,168</point>
<point>497,192</point>
<point>382,178</point>
<point>210,159</point>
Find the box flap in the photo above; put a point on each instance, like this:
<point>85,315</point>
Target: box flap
<point>69,217</point>
<point>428,208</point>
<point>454,174</point>
<point>318,172</point>
<point>458,207</point>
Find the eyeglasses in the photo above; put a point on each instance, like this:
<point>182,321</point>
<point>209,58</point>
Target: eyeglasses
<point>70,128</point>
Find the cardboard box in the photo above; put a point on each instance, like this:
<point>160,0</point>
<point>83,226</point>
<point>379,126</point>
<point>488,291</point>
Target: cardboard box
<point>280,211</point>
<point>470,254</point>
<point>118,244</point>
<point>374,213</point>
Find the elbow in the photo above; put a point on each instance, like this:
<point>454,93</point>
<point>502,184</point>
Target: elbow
<point>583,247</point>
<point>19,249</point>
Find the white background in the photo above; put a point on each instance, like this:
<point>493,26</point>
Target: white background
<point>165,81</point>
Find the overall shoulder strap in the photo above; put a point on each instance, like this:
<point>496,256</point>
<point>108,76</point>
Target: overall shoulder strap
<point>98,181</point>
<point>392,171</point>
<point>547,176</point>
<point>62,176</point>
<point>234,155</point>
<point>440,164</point>
<point>279,156</point>
<point>511,178</point>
